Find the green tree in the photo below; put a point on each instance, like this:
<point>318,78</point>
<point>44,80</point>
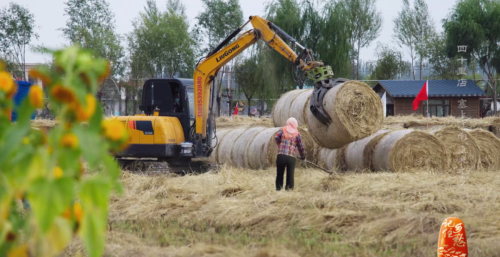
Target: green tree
<point>91,24</point>
<point>286,14</point>
<point>412,27</point>
<point>389,64</point>
<point>160,44</point>
<point>245,74</point>
<point>219,19</point>
<point>424,31</point>
<point>475,24</point>
<point>365,23</point>
<point>264,81</point>
<point>443,67</point>
<point>321,28</point>
<point>17,26</point>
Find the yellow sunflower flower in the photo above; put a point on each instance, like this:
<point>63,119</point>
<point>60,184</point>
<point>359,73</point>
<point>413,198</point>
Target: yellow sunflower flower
<point>7,84</point>
<point>58,172</point>
<point>113,130</point>
<point>62,94</point>
<point>39,75</point>
<point>36,96</point>
<point>69,140</point>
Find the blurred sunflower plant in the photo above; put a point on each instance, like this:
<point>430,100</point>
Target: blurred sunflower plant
<point>46,168</point>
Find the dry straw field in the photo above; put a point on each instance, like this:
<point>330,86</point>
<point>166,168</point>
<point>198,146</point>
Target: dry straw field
<point>237,212</point>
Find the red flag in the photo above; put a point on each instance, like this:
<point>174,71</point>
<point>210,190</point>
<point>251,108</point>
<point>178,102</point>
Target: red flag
<point>422,96</point>
<point>236,110</point>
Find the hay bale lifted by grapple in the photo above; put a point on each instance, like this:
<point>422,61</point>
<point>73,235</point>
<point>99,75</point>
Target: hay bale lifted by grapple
<point>354,108</point>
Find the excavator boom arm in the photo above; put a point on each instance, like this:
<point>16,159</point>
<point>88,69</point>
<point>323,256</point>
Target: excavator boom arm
<point>206,70</point>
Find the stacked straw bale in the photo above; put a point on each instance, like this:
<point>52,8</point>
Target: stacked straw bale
<point>332,159</point>
<point>461,147</point>
<point>489,145</point>
<point>225,147</point>
<point>281,110</point>
<point>369,149</point>
<point>255,148</point>
<point>355,109</point>
<point>218,137</point>
<point>240,147</point>
<point>262,150</point>
<point>406,150</point>
<point>354,151</point>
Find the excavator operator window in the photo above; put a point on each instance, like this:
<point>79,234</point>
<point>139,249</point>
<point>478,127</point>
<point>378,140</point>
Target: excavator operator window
<point>157,94</point>
<point>178,101</point>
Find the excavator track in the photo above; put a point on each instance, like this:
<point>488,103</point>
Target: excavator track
<point>151,166</point>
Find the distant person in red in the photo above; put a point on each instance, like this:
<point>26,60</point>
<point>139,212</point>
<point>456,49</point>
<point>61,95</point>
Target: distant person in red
<point>288,140</point>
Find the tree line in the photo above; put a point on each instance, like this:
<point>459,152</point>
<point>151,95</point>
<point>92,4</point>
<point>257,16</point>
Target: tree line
<point>164,43</point>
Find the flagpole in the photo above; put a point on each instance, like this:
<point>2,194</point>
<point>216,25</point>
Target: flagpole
<point>428,117</point>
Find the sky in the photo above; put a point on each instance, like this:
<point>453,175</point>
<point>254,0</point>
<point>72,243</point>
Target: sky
<point>49,17</point>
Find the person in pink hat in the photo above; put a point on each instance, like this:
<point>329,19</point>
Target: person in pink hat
<point>288,141</point>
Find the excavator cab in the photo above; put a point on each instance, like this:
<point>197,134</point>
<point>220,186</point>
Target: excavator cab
<point>165,123</point>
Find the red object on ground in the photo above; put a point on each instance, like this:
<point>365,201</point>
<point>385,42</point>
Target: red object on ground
<point>452,238</point>
<point>422,96</point>
<point>236,110</point>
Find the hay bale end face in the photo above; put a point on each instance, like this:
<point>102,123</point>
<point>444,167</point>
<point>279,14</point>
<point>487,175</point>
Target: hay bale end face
<point>356,112</point>
<point>407,150</point>
<point>489,145</point>
<point>461,146</point>
<point>354,160</point>
<point>310,146</point>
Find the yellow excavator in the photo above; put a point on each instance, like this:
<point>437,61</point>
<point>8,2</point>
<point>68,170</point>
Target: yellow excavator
<point>177,125</point>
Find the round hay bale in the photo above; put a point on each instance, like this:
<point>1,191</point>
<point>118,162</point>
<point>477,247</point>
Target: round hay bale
<point>354,152</point>
<point>296,108</point>
<point>461,147</point>
<point>225,147</point>
<point>332,159</point>
<point>299,106</point>
<point>241,145</point>
<point>356,112</point>
<point>405,150</point>
<point>261,147</point>
<point>310,146</point>
<point>368,151</point>
<point>426,127</point>
<point>215,142</point>
<point>281,110</point>
<point>489,145</point>
<point>327,158</point>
